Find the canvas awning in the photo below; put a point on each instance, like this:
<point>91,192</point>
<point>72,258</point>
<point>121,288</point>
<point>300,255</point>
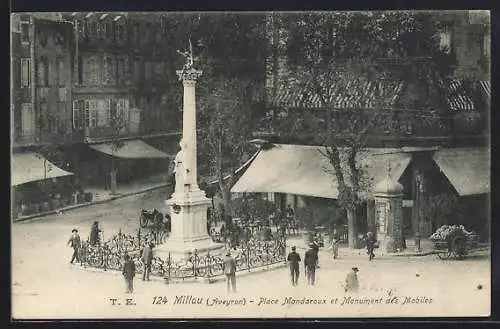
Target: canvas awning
<point>467,169</point>
<point>304,170</point>
<point>31,167</point>
<point>132,149</point>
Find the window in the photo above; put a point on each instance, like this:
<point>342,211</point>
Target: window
<point>27,119</point>
<point>163,23</point>
<point>42,76</point>
<point>108,30</point>
<point>137,69</point>
<point>108,70</point>
<point>91,114</point>
<point>122,109</point>
<point>61,74</point>
<point>148,70</point>
<point>103,113</point>
<point>62,94</point>
<point>25,32</point>
<point>78,114</point>
<point>487,45</point>
<point>95,70</point>
<point>25,72</point>
<point>122,69</point>
<point>445,39</point>
<point>100,30</point>
<point>136,33</point>
<point>118,32</point>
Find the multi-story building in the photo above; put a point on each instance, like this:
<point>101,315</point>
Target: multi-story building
<point>75,76</point>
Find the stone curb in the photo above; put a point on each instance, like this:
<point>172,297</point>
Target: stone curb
<point>211,280</point>
<point>81,205</point>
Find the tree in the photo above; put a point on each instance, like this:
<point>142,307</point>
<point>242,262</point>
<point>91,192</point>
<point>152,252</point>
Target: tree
<point>327,51</point>
<point>226,120</point>
<point>118,122</point>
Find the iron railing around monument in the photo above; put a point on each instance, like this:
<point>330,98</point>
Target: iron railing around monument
<point>251,254</point>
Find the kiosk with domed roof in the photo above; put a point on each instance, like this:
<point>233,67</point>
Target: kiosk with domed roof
<point>388,195</point>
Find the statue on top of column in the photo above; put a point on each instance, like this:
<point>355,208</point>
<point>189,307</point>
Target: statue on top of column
<point>181,169</point>
<point>190,59</point>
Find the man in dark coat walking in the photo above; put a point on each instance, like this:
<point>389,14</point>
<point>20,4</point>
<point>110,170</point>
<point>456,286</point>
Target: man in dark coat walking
<point>294,261</point>
<point>94,233</point>
<point>147,260</point>
<point>129,273</point>
<point>75,243</point>
<point>310,263</point>
<point>230,271</point>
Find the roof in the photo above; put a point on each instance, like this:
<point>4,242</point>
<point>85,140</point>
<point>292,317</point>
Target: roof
<point>342,91</point>
<point>467,169</point>
<point>305,170</point>
<point>131,149</point>
<point>31,167</point>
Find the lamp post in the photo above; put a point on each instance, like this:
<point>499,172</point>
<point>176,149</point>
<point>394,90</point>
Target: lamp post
<point>418,215</point>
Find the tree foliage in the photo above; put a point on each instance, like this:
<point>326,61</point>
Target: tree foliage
<point>325,49</point>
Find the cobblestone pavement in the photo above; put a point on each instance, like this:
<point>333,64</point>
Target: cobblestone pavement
<point>45,285</point>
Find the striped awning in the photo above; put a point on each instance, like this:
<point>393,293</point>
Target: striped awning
<point>342,91</point>
<point>486,88</point>
<point>457,96</point>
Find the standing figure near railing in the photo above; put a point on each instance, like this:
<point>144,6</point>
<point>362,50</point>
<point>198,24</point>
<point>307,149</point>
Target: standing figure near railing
<point>129,273</point>
<point>94,234</point>
<point>147,260</point>
<point>230,271</point>
<point>294,261</point>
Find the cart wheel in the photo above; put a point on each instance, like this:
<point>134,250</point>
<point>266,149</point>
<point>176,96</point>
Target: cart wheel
<point>444,254</point>
<point>143,220</point>
<point>458,246</point>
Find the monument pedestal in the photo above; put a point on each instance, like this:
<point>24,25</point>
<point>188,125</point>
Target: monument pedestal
<point>188,212</point>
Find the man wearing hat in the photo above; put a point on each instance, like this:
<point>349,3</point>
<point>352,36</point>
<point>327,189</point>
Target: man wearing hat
<point>147,260</point>
<point>128,272</point>
<point>294,261</point>
<point>351,281</point>
<point>230,271</point>
<point>310,263</point>
<point>75,243</point>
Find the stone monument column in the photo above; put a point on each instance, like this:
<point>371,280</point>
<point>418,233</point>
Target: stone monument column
<point>188,204</point>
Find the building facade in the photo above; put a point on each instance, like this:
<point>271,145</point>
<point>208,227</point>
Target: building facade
<point>84,81</point>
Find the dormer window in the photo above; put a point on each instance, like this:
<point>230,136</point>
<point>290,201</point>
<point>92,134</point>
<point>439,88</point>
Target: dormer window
<point>445,39</point>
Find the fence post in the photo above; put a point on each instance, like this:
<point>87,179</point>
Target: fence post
<point>248,257</point>
<point>105,256</point>
<point>194,262</point>
<point>120,241</point>
<point>207,266</point>
<point>139,237</point>
<point>169,266</point>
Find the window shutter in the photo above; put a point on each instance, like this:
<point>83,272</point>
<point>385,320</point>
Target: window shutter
<point>87,113</point>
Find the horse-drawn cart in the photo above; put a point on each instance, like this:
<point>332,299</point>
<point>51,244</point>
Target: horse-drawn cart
<point>454,241</point>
